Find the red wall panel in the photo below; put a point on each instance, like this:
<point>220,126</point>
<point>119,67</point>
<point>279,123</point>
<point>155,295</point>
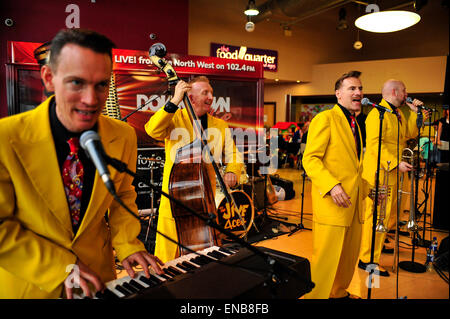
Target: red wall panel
<point>127,23</point>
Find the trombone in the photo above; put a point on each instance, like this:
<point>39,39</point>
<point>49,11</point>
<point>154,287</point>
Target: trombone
<point>410,157</point>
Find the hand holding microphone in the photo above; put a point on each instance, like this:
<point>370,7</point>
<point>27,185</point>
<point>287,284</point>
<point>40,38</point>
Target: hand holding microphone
<point>415,103</point>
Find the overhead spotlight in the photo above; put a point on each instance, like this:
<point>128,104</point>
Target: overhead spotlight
<point>419,4</point>
<point>249,26</point>
<point>342,24</point>
<point>357,45</point>
<point>251,9</point>
<point>287,31</point>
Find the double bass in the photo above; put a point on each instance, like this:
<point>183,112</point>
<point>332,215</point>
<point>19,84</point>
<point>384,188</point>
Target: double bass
<point>189,181</point>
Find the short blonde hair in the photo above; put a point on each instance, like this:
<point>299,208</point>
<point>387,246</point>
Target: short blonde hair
<point>200,78</point>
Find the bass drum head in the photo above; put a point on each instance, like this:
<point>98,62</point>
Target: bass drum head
<point>237,220</point>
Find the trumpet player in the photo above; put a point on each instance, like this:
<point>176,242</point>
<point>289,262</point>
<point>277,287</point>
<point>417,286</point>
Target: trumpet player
<point>396,128</point>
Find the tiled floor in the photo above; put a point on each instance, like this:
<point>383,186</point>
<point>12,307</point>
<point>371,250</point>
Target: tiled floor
<point>404,284</point>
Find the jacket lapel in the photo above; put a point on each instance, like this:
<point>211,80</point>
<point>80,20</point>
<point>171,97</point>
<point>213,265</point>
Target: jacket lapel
<point>347,134</point>
<point>35,150</point>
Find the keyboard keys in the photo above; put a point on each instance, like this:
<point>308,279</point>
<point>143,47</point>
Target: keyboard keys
<point>127,286</point>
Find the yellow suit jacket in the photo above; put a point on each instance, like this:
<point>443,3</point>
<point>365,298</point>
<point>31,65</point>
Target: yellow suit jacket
<point>391,130</point>
<point>176,130</point>
<point>331,158</point>
<point>36,238</point>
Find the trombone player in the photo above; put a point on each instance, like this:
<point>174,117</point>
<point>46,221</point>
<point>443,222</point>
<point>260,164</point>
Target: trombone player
<point>395,127</point>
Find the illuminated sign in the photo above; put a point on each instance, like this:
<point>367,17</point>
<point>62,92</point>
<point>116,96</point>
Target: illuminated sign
<point>269,58</point>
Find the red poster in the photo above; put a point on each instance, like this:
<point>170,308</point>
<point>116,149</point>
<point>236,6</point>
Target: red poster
<point>139,85</point>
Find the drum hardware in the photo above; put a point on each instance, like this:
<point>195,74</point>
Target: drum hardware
<point>152,199</point>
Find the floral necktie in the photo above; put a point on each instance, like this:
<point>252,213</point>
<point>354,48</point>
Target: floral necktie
<point>397,113</point>
<point>72,173</point>
<point>353,126</point>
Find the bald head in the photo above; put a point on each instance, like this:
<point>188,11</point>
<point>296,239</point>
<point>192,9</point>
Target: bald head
<point>394,91</point>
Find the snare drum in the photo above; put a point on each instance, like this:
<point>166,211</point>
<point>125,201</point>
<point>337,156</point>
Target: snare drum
<point>237,220</point>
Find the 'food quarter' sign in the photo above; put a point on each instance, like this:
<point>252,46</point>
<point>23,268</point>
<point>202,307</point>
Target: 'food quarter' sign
<point>225,51</point>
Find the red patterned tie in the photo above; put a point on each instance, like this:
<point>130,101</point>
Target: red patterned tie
<point>397,113</point>
<point>72,173</point>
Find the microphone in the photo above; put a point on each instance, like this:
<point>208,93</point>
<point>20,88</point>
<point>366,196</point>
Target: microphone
<point>365,101</point>
<point>90,142</point>
<point>423,107</point>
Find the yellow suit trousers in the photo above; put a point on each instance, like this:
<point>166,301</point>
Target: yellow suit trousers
<point>390,214</point>
<point>335,252</point>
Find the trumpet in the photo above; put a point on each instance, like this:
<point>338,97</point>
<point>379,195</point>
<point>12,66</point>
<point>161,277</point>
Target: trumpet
<point>384,191</point>
<point>411,157</point>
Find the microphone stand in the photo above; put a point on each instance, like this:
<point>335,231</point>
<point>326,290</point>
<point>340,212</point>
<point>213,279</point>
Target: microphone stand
<point>412,266</point>
<point>139,108</point>
<point>428,169</point>
<point>276,267</point>
<point>375,209</point>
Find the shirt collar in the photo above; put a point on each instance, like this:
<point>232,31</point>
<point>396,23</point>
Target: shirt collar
<point>346,112</point>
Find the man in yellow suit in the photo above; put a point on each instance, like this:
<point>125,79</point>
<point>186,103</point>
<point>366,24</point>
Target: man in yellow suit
<point>333,161</point>
<point>396,130</point>
<point>51,238</point>
<point>174,126</point>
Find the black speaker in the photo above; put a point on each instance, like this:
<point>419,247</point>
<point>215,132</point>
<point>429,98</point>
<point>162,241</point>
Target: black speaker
<point>440,213</point>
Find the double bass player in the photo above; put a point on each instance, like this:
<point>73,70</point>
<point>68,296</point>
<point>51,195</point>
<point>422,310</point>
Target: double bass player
<point>174,126</point>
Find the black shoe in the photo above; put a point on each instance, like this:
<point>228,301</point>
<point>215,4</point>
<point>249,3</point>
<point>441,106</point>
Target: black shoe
<point>347,297</point>
<point>387,250</point>
<point>365,266</point>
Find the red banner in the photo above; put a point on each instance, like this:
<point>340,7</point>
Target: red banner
<point>139,85</point>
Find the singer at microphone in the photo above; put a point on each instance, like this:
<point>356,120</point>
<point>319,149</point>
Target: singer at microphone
<point>397,129</point>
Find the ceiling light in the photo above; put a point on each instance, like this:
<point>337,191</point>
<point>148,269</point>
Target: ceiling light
<point>287,31</point>
<point>342,24</point>
<point>387,21</point>
<point>251,9</point>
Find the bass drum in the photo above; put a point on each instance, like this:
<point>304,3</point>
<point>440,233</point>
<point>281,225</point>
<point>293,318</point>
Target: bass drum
<point>237,220</point>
